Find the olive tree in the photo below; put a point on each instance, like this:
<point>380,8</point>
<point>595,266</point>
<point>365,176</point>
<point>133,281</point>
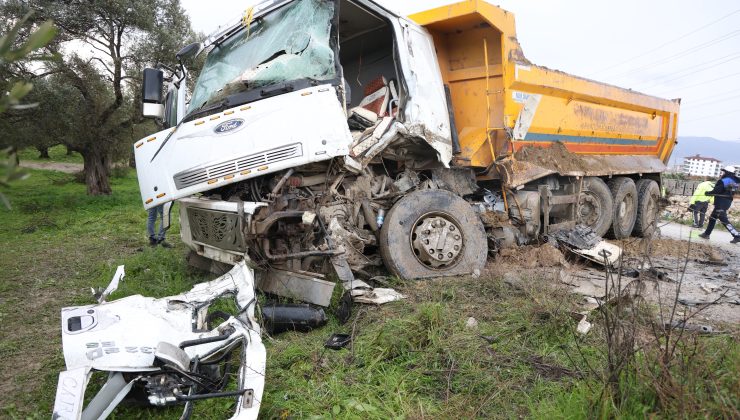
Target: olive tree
<point>103,45</point>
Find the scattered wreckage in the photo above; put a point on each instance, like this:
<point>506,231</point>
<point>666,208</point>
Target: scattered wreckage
<point>335,139</point>
<point>167,351</point>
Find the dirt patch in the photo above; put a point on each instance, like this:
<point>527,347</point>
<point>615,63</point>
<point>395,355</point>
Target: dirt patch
<point>69,168</point>
<point>556,157</point>
<point>671,248</point>
<point>533,257</point>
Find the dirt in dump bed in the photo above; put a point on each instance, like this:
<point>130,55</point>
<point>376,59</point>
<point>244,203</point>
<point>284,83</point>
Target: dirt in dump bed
<point>671,248</point>
<point>556,157</point>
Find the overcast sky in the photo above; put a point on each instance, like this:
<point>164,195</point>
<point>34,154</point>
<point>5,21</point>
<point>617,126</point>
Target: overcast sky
<point>685,49</point>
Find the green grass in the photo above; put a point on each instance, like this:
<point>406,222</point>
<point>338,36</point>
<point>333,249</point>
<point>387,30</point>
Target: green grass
<point>409,359</point>
<point>57,153</point>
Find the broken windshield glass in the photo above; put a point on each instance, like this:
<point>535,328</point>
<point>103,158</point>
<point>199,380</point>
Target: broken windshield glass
<point>290,43</point>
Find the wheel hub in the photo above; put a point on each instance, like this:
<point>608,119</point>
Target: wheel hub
<point>589,210</point>
<point>437,241</point>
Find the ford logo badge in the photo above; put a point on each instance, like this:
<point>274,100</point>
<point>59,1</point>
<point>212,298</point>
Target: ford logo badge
<point>228,126</point>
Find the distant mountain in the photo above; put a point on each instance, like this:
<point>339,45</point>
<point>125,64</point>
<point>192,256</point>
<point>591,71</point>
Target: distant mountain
<point>726,151</point>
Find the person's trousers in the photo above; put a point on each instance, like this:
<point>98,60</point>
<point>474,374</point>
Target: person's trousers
<point>700,212</point>
<point>151,222</point>
<point>721,215</point>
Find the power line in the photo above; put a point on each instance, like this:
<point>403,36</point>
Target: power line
<point>707,81</point>
<point>714,115</point>
<point>704,97</point>
<point>703,104</point>
<point>683,53</point>
<point>707,66</point>
<point>668,43</point>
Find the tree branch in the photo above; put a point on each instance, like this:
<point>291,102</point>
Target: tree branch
<point>103,63</point>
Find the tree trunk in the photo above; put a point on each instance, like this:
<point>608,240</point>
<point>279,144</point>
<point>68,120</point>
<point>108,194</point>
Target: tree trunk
<point>132,159</point>
<point>43,152</point>
<point>70,152</point>
<point>97,172</point>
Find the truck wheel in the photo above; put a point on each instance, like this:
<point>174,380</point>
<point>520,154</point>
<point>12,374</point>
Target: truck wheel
<point>432,233</point>
<point>648,195</point>
<point>624,194</point>
<point>595,205</point>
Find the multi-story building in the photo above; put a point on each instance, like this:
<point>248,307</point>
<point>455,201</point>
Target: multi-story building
<point>701,166</point>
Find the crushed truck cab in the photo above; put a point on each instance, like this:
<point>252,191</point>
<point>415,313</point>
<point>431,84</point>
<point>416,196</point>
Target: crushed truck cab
<point>302,142</point>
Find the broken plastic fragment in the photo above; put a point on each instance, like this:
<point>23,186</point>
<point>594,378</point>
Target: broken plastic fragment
<point>113,285</point>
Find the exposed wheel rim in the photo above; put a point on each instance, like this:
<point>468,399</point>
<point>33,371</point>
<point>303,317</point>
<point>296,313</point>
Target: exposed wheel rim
<point>437,240</point>
<point>589,209</point>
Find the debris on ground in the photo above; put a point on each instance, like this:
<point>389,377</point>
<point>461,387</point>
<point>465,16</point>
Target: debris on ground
<point>653,268</point>
<point>534,256</point>
<point>338,341</point>
<point>471,323</point>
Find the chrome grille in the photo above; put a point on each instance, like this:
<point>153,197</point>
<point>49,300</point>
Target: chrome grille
<point>196,176</point>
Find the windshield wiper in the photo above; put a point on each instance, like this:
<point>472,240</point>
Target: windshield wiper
<point>200,110</point>
<point>277,90</point>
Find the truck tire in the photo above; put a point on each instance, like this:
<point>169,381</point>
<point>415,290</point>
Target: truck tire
<point>648,196</point>
<point>595,205</point>
<point>432,233</point>
<point>624,195</point>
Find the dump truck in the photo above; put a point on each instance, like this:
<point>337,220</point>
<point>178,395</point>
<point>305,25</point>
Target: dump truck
<point>338,135</point>
<point>326,142</point>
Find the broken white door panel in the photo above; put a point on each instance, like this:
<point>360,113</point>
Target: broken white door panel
<point>426,113</point>
<point>138,334</point>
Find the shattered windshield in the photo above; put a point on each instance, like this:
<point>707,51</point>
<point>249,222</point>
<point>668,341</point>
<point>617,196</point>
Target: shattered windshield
<point>289,43</point>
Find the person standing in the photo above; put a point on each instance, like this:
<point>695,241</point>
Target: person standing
<point>151,222</point>
<point>723,193</point>
<point>700,202</point>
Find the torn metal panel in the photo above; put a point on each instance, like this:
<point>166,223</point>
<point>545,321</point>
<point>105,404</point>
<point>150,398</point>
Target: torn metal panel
<point>524,121</point>
<point>603,253</point>
<point>376,296</point>
<point>157,337</point>
<point>304,287</point>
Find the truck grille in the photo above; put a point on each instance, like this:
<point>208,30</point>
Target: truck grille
<point>215,228</point>
<point>196,176</point>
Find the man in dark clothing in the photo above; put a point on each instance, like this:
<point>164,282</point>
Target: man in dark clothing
<point>723,193</point>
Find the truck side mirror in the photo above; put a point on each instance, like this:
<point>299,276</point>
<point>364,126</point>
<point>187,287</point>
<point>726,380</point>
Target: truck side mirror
<point>188,52</point>
<point>151,94</point>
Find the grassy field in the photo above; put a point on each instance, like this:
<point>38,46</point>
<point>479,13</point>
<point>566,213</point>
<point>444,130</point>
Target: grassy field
<point>56,154</point>
<point>410,359</point>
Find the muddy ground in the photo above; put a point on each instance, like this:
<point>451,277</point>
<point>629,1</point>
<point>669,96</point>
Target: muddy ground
<point>707,278</point>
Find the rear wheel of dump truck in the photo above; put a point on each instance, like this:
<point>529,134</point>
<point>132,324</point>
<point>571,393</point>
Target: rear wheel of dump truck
<point>624,194</point>
<point>432,233</point>
<point>648,195</point>
<point>595,205</point>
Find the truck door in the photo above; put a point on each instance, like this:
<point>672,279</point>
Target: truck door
<point>425,108</point>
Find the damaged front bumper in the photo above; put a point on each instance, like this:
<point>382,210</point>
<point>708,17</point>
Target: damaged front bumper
<point>166,347</point>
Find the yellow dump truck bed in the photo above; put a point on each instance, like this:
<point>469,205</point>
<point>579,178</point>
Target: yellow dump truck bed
<point>504,105</point>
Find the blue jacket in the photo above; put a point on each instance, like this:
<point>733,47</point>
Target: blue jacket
<point>723,191</point>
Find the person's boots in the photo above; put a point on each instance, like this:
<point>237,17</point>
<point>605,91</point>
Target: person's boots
<point>152,241</point>
<point>164,243</point>
<point>704,236</point>
<point>735,240</point>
